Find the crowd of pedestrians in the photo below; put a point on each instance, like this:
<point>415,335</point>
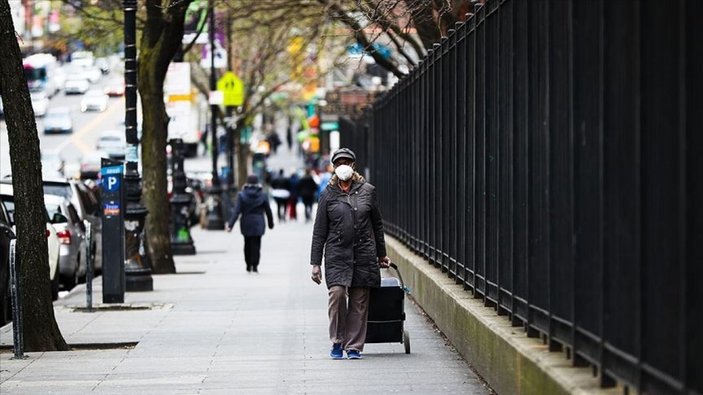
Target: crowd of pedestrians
<point>289,190</point>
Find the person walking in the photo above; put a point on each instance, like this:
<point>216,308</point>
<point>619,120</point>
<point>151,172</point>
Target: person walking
<point>349,229</point>
<point>293,181</point>
<point>252,204</point>
<point>280,190</point>
<point>307,189</point>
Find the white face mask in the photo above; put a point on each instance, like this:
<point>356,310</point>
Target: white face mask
<point>344,172</point>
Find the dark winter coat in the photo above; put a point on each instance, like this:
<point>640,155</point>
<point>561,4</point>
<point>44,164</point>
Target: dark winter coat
<point>349,228</point>
<point>252,204</point>
<point>307,187</point>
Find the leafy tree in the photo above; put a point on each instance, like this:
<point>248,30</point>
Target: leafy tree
<point>258,47</point>
<point>96,24</point>
<point>41,333</point>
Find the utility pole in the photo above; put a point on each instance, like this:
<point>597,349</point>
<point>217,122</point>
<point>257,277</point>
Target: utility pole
<point>214,218</point>
<point>137,270</point>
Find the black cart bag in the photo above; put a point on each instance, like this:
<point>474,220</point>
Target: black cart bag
<point>387,312</point>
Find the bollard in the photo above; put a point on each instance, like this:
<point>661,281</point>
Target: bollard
<point>17,338</point>
<point>89,253</point>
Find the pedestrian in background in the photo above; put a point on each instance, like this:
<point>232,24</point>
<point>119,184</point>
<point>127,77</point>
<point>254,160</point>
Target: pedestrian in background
<point>325,178</point>
<point>307,189</point>
<point>294,180</point>
<point>280,190</point>
<point>252,204</point>
<point>349,229</point>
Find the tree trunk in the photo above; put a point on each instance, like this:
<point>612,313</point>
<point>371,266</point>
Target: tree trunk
<point>155,132</point>
<point>41,333</point>
<point>161,39</point>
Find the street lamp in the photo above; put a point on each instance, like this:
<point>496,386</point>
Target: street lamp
<point>214,217</point>
<point>137,271</point>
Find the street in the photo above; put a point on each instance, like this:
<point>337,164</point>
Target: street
<point>87,127</point>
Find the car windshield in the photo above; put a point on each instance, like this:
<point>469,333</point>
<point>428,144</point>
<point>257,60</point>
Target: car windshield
<point>58,190</point>
<point>52,209</point>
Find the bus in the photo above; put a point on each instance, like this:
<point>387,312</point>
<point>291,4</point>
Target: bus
<point>41,71</point>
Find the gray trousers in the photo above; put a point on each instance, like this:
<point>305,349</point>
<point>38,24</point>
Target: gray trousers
<point>348,319</point>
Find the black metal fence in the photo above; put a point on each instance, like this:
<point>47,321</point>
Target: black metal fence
<point>549,156</point>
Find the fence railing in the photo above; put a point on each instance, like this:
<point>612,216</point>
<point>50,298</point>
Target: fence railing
<point>549,156</point>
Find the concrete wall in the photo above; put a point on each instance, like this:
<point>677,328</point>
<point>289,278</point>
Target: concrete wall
<point>503,355</point>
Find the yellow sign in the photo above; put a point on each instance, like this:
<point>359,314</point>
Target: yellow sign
<point>232,88</point>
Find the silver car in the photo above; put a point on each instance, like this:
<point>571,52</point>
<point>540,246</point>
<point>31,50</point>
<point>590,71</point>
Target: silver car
<point>71,233</point>
<point>114,142</point>
<point>86,202</point>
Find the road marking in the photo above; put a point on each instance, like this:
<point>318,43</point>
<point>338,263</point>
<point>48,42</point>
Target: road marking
<point>75,137</point>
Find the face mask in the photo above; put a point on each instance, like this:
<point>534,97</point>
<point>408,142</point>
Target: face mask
<point>344,172</point>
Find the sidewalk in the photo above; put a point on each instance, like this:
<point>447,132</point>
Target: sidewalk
<point>214,328</point>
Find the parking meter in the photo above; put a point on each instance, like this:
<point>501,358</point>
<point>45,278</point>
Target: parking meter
<point>113,243</point>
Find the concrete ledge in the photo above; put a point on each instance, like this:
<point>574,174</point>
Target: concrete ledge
<point>503,355</point>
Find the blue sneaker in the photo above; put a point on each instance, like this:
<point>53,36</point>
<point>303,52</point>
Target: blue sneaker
<point>336,351</point>
<point>353,354</point>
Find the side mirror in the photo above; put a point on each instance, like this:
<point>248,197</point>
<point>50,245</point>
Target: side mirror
<point>58,218</point>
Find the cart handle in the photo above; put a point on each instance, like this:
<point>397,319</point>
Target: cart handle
<point>402,283</point>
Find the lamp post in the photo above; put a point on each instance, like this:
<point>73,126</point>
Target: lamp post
<point>137,271</point>
<point>214,217</point>
<point>181,240</point>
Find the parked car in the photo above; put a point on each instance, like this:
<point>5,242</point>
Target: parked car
<point>71,233</point>
<point>53,165</point>
<point>93,74</point>
<point>40,103</point>
<point>76,84</point>
<point>86,202</point>
<point>8,200</point>
<point>114,142</point>
<point>6,234</point>
<point>58,120</point>
<point>94,100</point>
<point>103,65</point>
<point>114,87</point>
<point>90,164</point>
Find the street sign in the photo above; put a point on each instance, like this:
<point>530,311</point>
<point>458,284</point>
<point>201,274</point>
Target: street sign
<point>233,89</point>
<point>112,214</point>
<point>327,126</point>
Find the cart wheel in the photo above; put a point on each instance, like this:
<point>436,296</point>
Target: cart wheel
<point>406,341</point>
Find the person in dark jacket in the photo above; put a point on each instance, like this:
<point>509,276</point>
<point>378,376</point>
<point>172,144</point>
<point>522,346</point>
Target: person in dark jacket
<point>307,189</point>
<point>349,229</point>
<point>252,204</point>
<point>280,186</point>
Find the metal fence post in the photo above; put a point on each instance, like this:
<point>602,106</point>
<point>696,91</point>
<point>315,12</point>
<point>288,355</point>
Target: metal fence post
<point>18,340</point>
<point>89,253</point>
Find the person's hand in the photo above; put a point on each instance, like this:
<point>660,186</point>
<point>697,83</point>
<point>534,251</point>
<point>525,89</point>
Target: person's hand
<point>227,228</point>
<point>384,262</point>
<point>316,274</point>
<point>271,225</point>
